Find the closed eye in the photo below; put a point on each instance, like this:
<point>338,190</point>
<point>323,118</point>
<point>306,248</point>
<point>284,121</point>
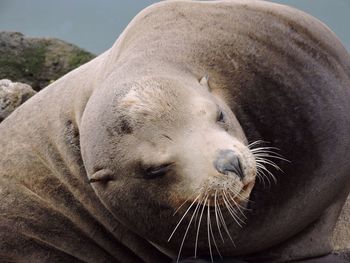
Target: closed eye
<point>157,171</point>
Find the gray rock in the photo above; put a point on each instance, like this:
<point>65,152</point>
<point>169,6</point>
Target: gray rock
<point>37,61</point>
<point>13,94</point>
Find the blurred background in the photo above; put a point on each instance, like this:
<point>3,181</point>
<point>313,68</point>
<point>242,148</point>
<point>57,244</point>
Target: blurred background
<point>95,25</point>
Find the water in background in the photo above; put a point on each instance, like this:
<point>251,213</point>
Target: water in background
<point>95,25</point>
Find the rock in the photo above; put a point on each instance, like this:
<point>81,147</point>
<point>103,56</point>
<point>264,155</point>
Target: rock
<point>37,61</point>
<point>13,94</point>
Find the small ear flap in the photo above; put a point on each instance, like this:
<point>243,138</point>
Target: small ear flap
<point>205,82</point>
<point>102,176</point>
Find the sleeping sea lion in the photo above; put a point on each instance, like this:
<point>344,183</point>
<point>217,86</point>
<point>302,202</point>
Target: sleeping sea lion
<point>165,146</point>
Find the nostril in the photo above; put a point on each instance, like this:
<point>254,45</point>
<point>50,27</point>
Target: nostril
<point>228,161</point>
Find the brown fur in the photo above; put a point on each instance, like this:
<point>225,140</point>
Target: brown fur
<point>279,74</point>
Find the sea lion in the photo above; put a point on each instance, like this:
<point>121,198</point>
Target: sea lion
<point>140,157</point>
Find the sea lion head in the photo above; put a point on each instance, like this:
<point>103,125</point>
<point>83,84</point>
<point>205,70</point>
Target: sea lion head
<point>157,146</point>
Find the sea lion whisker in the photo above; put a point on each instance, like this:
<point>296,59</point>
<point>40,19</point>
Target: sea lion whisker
<point>240,207</point>
<point>255,143</point>
<point>188,227</point>
<point>177,210</point>
<point>262,174</point>
<point>216,216</point>
<point>182,218</point>
<point>267,155</point>
<point>200,201</point>
<point>263,168</point>
<point>197,213</point>
<point>232,215</point>
<point>237,205</point>
<point>261,177</point>
<point>236,193</point>
<point>212,234</point>
<point>266,152</point>
<point>266,161</point>
<point>265,148</point>
<point>271,156</point>
<point>224,225</point>
<point>199,224</point>
<point>232,211</point>
<point>208,230</point>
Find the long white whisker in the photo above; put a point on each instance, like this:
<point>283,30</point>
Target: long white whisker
<point>271,155</point>
<point>266,170</point>
<point>188,227</point>
<point>177,210</point>
<point>196,216</point>
<point>216,216</point>
<point>212,235</point>
<point>266,161</point>
<point>200,201</point>
<point>266,149</point>
<point>255,143</point>
<point>199,224</point>
<point>261,176</point>
<point>237,205</point>
<point>236,193</point>
<point>224,225</point>
<point>188,209</point>
<point>232,215</point>
<point>232,212</point>
<point>208,216</point>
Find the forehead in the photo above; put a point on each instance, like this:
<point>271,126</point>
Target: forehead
<point>165,100</point>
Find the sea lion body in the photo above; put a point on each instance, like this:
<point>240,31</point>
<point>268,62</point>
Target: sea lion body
<point>283,74</point>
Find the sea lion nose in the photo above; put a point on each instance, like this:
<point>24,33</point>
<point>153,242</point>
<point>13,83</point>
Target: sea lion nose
<point>228,161</point>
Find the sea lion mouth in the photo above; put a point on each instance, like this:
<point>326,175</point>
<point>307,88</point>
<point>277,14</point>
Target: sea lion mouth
<point>224,197</point>
<point>220,198</point>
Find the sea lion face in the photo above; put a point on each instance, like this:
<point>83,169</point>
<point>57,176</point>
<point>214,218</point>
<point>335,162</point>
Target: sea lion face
<point>189,136</point>
<point>165,146</point>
